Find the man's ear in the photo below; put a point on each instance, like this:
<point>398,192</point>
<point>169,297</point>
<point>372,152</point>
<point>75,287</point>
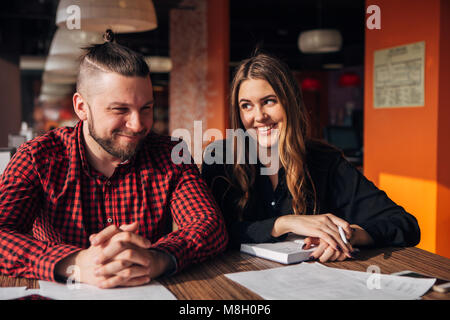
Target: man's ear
<point>80,106</point>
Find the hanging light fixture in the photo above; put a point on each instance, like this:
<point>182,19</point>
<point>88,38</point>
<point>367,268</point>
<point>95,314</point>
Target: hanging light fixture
<point>49,98</point>
<point>62,62</point>
<point>32,62</point>
<point>53,78</point>
<point>61,66</point>
<point>56,89</point>
<point>119,15</point>
<point>319,40</point>
<point>69,43</point>
<point>159,64</point>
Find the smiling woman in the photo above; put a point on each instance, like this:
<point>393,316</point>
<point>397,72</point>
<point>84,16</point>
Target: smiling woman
<point>315,191</point>
<point>260,109</point>
<point>257,80</point>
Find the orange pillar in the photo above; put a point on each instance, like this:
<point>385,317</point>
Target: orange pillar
<point>199,49</point>
<point>407,148</point>
<point>218,64</point>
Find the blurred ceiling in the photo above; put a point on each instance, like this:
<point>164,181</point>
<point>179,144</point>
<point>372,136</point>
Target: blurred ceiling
<point>272,25</point>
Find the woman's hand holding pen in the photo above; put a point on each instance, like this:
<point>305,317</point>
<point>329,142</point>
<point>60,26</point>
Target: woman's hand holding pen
<point>324,227</point>
<point>325,253</point>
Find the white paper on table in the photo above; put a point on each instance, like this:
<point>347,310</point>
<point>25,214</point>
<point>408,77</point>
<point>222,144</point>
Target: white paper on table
<point>403,285</point>
<point>7,293</point>
<point>82,291</point>
<point>310,281</point>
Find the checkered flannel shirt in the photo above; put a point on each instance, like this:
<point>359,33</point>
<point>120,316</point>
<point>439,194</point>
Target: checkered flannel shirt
<point>52,200</point>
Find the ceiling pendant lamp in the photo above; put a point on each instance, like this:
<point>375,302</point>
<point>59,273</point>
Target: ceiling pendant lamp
<point>56,89</point>
<point>61,66</point>
<point>53,78</point>
<point>159,64</point>
<point>69,43</point>
<point>122,16</point>
<point>56,65</point>
<point>48,98</point>
<point>320,41</point>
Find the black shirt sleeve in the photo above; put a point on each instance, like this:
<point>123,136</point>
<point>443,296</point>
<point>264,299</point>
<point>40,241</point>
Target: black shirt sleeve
<point>357,200</point>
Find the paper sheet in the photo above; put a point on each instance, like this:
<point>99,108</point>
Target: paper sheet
<point>9,293</point>
<point>81,291</point>
<point>314,281</point>
<point>4,160</point>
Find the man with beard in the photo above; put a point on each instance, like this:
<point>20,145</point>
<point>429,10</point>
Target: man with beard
<point>101,196</point>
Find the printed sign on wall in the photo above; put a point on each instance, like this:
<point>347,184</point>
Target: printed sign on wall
<point>399,76</point>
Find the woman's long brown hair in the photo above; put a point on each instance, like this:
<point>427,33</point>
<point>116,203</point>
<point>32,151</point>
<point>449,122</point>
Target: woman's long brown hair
<point>293,135</point>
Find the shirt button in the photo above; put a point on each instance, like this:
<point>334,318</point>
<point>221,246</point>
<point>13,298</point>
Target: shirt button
<point>108,183</point>
<point>273,203</point>
<point>109,220</point>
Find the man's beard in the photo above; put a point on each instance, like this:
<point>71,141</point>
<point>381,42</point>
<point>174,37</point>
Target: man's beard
<point>109,146</point>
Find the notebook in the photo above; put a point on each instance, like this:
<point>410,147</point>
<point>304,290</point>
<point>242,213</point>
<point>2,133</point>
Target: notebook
<point>286,252</point>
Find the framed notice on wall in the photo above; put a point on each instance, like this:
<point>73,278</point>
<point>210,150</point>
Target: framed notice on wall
<point>399,76</point>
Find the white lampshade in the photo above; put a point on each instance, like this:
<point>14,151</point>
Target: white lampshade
<point>62,65</point>
<point>159,64</point>
<point>69,43</point>
<point>53,78</point>
<point>118,15</point>
<point>320,41</point>
<point>56,89</point>
<point>49,98</point>
<point>32,62</point>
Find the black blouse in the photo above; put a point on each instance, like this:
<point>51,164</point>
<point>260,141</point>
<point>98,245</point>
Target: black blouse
<point>340,189</point>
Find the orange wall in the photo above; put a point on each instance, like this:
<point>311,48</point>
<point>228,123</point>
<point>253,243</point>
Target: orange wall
<point>402,144</point>
<point>443,205</point>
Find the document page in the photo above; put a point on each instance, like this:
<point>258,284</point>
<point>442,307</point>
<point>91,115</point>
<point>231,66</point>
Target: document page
<point>80,291</point>
<point>7,293</point>
<point>310,281</point>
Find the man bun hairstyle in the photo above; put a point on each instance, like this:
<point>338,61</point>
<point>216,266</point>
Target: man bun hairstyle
<point>108,36</point>
<point>110,57</point>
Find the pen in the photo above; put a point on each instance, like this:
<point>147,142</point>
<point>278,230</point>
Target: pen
<point>342,234</point>
<point>344,239</point>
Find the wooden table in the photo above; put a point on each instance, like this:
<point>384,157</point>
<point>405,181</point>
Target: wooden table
<point>207,281</point>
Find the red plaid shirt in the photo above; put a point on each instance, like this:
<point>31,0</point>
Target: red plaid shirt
<point>49,188</point>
